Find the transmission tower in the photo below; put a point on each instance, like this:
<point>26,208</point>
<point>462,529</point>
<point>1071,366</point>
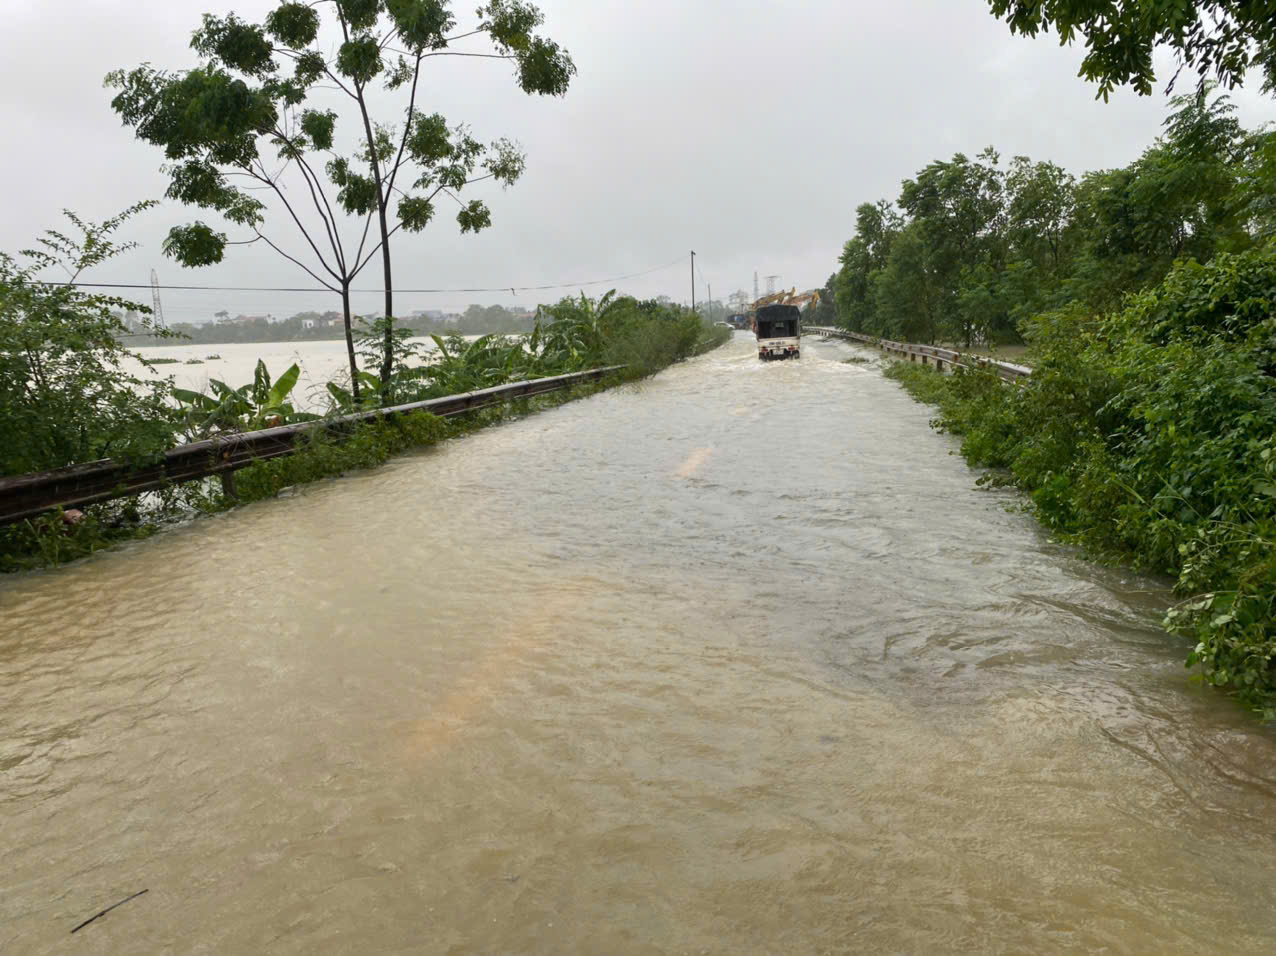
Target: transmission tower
<point>770,284</point>
<point>755,285</point>
<point>157,308</point>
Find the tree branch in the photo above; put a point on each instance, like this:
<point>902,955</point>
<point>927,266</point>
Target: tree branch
<point>462,36</point>
<point>367,224</point>
<point>298,263</point>
<point>407,127</point>
<point>373,251</point>
<point>287,205</point>
<point>486,56</point>
<point>329,220</point>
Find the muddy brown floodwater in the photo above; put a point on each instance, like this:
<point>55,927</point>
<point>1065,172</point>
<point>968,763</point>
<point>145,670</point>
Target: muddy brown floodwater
<point>736,661</point>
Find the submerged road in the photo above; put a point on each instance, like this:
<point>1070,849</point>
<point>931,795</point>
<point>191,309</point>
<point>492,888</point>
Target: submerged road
<point>735,661</point>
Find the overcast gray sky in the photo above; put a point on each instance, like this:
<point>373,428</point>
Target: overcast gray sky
<point>748,131</point>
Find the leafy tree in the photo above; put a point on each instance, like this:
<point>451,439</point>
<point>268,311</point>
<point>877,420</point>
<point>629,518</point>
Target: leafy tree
<point>1222,39</point>
<point>958,209</point>
<point>1042,203</point>
<point>863,257</point>
<point>256,115</point>
<point>67,392</point>
<point>909,291</point>
<point>823,311</point>
<point>1180,199</point>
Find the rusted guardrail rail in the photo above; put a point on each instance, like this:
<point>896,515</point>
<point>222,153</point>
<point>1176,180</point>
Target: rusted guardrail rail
<point>24,496</point>
<point>927,353</point>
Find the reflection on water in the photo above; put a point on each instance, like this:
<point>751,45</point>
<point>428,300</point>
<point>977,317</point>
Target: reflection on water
<point>737,660</point>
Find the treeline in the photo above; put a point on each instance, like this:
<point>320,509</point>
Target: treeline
<point>1147,299</point>
<point>972,247</point>
<point>321,326</point>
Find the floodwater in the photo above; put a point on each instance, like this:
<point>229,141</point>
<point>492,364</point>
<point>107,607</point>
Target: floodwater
<point>319,362</point>
<point>735,661</point>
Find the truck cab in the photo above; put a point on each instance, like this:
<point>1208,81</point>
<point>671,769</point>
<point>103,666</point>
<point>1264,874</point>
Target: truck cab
<point>778,329</point>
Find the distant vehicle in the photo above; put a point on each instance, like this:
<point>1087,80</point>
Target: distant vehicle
<point>779,331</point>
<point>738,320</point>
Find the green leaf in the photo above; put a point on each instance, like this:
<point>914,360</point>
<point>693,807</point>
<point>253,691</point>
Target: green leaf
<point>342,396</point>
<point>415,212</point>
<point>475,216</point>
<point>318,125</point>
<point>261,383</point>
<point>194,399</point>
<point>242,46</point>
<point>359,58</point>
<point>429,141</point>
<point>283,385</point>
<point>195,245</point>
<point>295,25</point>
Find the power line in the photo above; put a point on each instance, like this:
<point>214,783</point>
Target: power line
<point>231,288</point>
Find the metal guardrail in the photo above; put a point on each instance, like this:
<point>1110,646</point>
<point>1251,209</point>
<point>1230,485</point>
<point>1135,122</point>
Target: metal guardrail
<point>927,353</point>
<point>24,496</point>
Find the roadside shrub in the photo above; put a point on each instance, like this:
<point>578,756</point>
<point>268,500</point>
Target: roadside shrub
<point>66,395</point>
<point>1149,436</point>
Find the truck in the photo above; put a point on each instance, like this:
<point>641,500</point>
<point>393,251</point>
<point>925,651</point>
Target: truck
<point>778,329</point>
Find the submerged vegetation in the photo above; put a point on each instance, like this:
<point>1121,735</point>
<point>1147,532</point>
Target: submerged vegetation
<point>66,397</point>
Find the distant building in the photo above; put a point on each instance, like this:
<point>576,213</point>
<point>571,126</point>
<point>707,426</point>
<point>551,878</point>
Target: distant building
<point>309,323</point>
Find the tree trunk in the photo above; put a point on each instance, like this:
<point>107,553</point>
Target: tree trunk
<point>387,357</point>
<point>354,363</point>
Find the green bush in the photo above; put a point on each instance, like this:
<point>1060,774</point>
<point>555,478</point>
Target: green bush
<point>66,395</point>
<point>1149,436</point>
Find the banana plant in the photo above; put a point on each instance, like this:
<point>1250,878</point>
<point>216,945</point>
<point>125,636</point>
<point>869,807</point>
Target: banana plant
<point>343,399</point>
<point>465,366</point>
<point>259,404</point>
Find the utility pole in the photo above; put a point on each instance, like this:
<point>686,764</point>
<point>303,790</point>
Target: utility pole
<point>710,305</point>
<point>693,280</point>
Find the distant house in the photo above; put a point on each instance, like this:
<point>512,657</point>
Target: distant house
<point>242,319</point>
<point>309,323</point>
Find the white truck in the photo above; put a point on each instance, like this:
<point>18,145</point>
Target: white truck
<point>778,329</point>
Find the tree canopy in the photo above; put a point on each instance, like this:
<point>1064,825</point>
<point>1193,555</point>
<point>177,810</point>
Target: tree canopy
<point>1218,39</point>
<point>257,117</point>
<point>974,246</point>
